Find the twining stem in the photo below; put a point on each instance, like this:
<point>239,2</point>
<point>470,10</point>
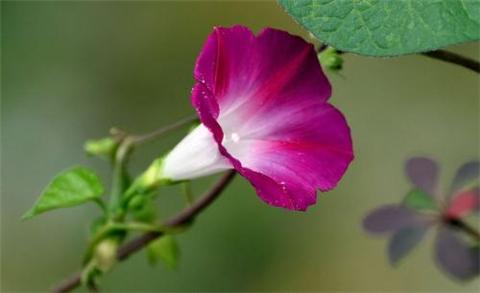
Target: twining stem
<point>184,217</point>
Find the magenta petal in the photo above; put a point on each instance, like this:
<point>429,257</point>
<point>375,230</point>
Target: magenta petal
<point>455,256</point>
<point>291,195</point>
<point>264,99</point>
<point>423,173</point>
<point>390,218</point>
<point>463,204</point>
<point>224,62</point>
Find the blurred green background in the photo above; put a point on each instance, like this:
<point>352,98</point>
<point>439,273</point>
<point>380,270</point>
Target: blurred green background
<point>71,70</point>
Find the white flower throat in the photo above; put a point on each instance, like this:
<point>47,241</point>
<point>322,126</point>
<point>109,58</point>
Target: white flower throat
<point>197,155</point>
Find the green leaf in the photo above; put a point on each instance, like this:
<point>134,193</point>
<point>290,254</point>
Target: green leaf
<point>71,187</point>
<point>419,200</point>
<point>164,249</point>
<point>388,27</point>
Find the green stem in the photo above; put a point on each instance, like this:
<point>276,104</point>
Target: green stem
<point>120,176</point>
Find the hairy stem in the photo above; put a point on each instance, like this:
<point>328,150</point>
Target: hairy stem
<point>139,139</point>
<point>184,217</point>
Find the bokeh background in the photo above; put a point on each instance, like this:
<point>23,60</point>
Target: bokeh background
<point>71,70</point>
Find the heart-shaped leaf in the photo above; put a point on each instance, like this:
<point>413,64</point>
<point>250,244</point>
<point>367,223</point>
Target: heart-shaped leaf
<point>387,27</point>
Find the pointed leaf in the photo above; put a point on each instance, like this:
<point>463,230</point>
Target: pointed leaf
<point>423,173</point>
<point>404,241</point>
<point>390,218</point>
<point>386,27</point>
<point>71,187</point>
<point>455,256</point>
<point>419,200</point>
<point>164,249</point>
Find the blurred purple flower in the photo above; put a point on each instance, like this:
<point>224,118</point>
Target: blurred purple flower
<point>423,209</point>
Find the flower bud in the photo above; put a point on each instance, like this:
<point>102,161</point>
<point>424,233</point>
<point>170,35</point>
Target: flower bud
<point>106,254</point>
<point>101,147</point>
<point>330,59</point>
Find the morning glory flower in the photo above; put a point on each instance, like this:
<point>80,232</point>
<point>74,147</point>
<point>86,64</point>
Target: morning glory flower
<point>263,105</point>
<point>423,209</point>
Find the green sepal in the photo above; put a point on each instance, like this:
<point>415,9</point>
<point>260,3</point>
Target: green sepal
<point>147,182</point>
<point>90,273</point>
<point>151,179</point>
<point>141,207</point>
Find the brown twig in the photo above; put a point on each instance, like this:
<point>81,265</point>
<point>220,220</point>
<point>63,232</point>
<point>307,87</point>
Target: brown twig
<point>180,219</point>
<point>454,58</point>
